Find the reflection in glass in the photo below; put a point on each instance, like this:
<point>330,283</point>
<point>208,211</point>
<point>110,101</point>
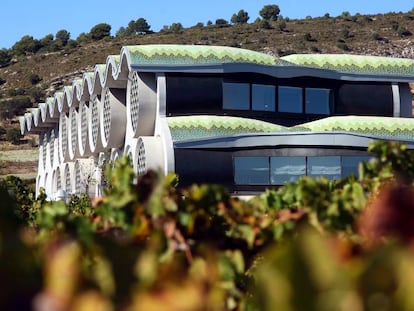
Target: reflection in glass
<point>285,169</point>
<point>350,164</point>
<point>317,100</point>
<point>251,170</point>
<point>236,96</point>
<point>329,167</point>
<point>290,99</point>
<point>263,97</point>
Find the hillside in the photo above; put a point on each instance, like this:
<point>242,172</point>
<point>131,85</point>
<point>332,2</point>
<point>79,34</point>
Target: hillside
<point>360,34</point>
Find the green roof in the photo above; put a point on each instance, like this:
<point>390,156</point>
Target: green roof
<point>196,127</point>
<point>354,63</point>
<point>196,54</point>
<point>382,127</point>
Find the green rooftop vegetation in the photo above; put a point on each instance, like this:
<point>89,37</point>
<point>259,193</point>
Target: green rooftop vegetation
<point>195,127</point>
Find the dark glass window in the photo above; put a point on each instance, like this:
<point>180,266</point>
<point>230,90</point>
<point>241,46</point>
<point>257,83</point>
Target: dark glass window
<point>290,99</point>
<point>236,96</point>
<point>350,165</point>
<point>251,170</point>
<point>365,99</point>
<point>329,167</point>
<point>278,170</point>
<point>192,95</point>
<point>263,97</point>
<point>285,169</point>
<point>317,100</point>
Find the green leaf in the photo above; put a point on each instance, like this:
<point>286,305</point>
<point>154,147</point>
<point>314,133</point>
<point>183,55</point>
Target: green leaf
<point>247,233</point>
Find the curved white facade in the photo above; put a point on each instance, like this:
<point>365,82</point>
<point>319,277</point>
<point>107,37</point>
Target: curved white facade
<point>124,106</point>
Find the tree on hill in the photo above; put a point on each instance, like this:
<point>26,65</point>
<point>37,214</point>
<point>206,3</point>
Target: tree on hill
<point>240,18</point>
<point>121,32</point>
<point>83,38</point>
<point>175,28</point>
<point>5,57</point>
<point>100,31</point>
<point>62,38</point>
<point>47,43</point>
<point>26,45</point>
<point>270,12</point>
<point>221,22</point>
<point>141,26</point>
<point>13,135</point>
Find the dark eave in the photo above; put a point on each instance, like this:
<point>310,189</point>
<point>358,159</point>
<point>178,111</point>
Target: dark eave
<point>305,139</point>
<point>277,71</point>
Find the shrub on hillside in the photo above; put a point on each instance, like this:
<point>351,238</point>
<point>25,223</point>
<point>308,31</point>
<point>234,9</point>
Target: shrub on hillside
<point>403,32</point>
<point>13,135</point>
<point>307,36</point>
<point>16,106</point>
<point>281,24</point>
<point>264,24</point>
<point>5,57</point>
<point>34,78</point>
<point>343,46</point>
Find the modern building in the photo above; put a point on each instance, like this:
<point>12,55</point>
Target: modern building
<point>223,115</point>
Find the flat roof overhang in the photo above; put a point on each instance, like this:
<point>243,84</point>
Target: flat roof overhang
<point>286,140</point>
<point>277,71</point>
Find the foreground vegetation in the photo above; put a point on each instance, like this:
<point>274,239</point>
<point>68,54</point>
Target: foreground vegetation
<point>310,245</point>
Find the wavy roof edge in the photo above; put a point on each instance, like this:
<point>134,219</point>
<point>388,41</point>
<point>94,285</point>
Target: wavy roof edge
<point>354,63</point>
<point>196,127</point>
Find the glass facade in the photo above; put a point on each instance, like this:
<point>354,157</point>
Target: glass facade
<point>236,96</point>
<point>290,99</point>
<point>285,169</point>
<point>251,170</point>
<point>263,97</point>
<point>350,165</point>
<point>271,98</point>
<point>282,169</point>
<point>317,101</point>
<point>328,167</point>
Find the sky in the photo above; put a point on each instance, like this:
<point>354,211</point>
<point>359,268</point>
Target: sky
<point>39,18</point>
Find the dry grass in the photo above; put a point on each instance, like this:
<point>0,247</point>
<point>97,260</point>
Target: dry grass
<point>28,155</point>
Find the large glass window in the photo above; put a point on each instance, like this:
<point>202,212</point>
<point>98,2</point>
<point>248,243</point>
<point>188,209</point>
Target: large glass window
<point>317,100</point>
<point>350,164</point>
<point>263,97</point>
<point>236,96</point>
<point>290,99</point>
<point>329,167</point>
<point>279,170</point>
<point>251,170</point>
<point>285,169</point>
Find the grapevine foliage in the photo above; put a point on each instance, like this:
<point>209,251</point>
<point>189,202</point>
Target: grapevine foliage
<point>150,245</point>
